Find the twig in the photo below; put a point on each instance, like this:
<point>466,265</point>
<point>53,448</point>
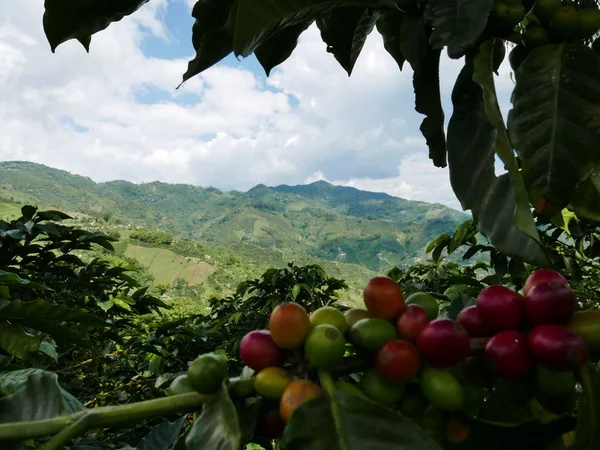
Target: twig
<point>76,424</point>
<point>83,363</point>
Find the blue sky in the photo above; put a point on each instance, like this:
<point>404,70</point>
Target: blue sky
<point>115,113</point>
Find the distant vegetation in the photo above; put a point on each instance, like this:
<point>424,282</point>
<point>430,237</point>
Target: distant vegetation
<point>319,220</point>
<point>152,237</point>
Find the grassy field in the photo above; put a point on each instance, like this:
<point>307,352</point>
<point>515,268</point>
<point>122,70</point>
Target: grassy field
<point>166,266</point>
<point>9,211</point>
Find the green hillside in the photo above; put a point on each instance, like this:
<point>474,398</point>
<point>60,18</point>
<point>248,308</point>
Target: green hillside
<point>319,220</point>
<point>166,266</point>
<point>9,211</point>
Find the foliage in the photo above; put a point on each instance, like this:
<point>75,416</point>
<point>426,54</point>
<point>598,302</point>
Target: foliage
<point>77,305</point>
<point>248,308</point>
<point>152,237</point>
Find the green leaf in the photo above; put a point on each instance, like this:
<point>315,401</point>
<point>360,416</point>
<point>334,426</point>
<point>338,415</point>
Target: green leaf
<point>12,279</point>
<point>48,228</point>
<point>442,239</point>
<point>121,303</point>
<point>389,27</point>
<point>414,43</point>
<point>28,211</point>
<point>296,290</point>
<point>163,435</point>
<point>58,332</point>
<point>40,398</point>
<point>18,311</point>
<point>471,150</point>
<point>276,50</point>
<point>259,20</point>
<point>345,30</point>
<point>426,82</point>
<point>460,302</point>
<point>587,434</point>
<point>554,123</point>
<point>67,19</point>
<point>217,426</point>
<point>586,198</point>
<point>11,382</point>
<point>437,253</point>
<point>156,365</point>
<point>48,349</point>
<point>457,24</point>
<point>350,422</point>
<point>51,214</point>
<point>15,341</point>
<point>248,412</point>
<point>212,34</point>
<point>483,75</point>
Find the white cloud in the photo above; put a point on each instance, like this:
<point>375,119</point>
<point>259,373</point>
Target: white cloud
<point>82,112</point>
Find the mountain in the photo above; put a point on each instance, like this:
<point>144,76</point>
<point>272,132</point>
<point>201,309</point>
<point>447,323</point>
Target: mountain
<point>319,220</point>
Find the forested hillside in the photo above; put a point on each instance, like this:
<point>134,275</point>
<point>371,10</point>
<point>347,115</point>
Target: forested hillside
<point>318,220</point>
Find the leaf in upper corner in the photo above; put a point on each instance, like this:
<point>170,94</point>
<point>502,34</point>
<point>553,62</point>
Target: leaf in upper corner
<point>67,19</point>
<point>471,151</point>
<point>259,20</point>
<point>428,101</point>
<point>414,43</point>
<point>217,426</point>
<point>350,422</point>
<point>555,120</point>
<point>483,75</point>
<point>277,49</point>
<point>345,31</point>
<point>457,24</point>
<point>212,34</point>
<point>389,27</point>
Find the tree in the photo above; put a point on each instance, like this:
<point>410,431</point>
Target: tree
<point>550,146</point>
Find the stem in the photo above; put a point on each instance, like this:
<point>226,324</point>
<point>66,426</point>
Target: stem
<point>107,416</point>
<point>74,430</point>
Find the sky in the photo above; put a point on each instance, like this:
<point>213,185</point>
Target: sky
<point>115,113</point>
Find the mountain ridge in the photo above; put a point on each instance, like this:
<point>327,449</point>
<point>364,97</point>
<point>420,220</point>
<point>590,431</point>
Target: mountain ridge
<point>337,223</point>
